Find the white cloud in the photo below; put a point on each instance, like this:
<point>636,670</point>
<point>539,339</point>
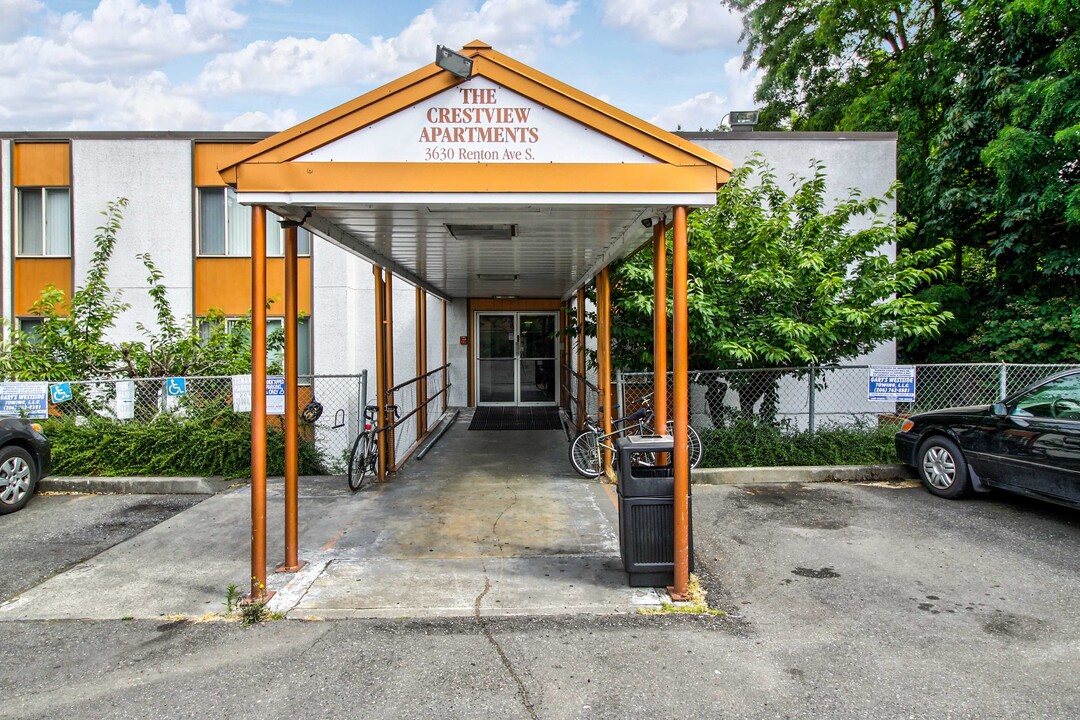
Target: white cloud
<point>703,111</point>
<point>742,84</point>
<point>134,35</point>
<point>706,110</point>
<point>259,121</point>
<point>682,26</point>
<point>295,65</point>
<point>16,16</point>
<point>101,71</point>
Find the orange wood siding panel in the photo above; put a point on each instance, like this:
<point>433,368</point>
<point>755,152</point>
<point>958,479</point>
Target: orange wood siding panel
<point>517,304</point>
<point>33,274</point>
<point>225,283</point>
<point>209,157</point>
<point>42,164</point>
<point>477,177</point>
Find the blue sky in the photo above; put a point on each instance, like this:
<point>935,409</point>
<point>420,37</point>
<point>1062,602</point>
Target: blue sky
<point>268,64</point>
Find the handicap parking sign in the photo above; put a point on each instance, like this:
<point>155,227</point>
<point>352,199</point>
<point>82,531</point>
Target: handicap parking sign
<point>175,386</point>
<point>60,392</point>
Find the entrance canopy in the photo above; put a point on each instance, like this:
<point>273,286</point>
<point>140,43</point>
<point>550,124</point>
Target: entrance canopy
<point>504,183</point>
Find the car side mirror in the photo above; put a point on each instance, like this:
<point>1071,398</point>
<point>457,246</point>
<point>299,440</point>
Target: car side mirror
<point>999,410</point>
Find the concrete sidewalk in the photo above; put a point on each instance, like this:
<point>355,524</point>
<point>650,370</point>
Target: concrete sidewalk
<point>489,523</point>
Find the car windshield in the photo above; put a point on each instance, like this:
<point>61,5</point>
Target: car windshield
<point>1058,399</point>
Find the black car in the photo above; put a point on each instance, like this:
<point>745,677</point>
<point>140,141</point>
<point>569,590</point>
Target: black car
<point>25,458</point>
<point>1029,443</point>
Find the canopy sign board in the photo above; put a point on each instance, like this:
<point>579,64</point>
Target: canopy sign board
<point>478,121</point>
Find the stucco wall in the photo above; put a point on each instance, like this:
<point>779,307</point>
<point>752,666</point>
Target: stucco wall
<point>155,177</point>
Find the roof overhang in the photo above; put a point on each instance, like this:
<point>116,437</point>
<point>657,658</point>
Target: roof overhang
<point>385,174</point>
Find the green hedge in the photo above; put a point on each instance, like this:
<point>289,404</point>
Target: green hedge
<point>748,444</point>
<point>209,444</point>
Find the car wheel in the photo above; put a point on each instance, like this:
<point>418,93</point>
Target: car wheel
<point>18,477</point>
<point>942,468</point>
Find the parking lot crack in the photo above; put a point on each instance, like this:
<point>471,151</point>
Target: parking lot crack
<point>523,694</point>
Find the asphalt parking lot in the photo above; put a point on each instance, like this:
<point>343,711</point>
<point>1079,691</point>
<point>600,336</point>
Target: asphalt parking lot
<point>843,601</point>
<point>57,531</point>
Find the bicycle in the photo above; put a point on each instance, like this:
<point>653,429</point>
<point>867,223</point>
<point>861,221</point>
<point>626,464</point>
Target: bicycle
<point>364,457</point>
<point>586,449</point>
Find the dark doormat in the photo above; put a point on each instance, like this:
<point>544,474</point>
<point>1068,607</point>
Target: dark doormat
<point>516,418</point>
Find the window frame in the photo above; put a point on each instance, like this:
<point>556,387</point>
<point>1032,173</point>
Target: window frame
<point>273,324</point>
<point>271,222</point>
<point>42,192</point>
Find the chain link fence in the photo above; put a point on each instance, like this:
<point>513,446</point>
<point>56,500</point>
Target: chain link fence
<point>143,400</point>
<point>809,398</point>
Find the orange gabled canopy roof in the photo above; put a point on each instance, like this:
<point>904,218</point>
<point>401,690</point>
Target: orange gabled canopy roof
<point>430,80</point>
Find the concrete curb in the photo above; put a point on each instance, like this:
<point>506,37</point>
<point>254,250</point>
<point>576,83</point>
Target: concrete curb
<point>801,474</point>
<point>135,485</point>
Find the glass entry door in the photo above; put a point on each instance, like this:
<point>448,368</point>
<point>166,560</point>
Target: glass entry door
<point>515,358</point>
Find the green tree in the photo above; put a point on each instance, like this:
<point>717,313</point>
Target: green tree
<point>71,343</point>
<point>778,279</point>
<point>985,98</point>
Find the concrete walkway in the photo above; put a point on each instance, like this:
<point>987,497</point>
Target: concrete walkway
<point>489,523</point>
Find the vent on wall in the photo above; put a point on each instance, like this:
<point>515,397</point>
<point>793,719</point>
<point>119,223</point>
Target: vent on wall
<point>499,231</point>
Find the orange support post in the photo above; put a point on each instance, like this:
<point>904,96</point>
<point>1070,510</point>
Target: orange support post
<point>258,406</point>
<point>581,403</point>
<point>603,354</point>
<point>660,390</point>
<point>380,365</point>
<point>292,488</point>
<point>421,363</point>
<point>388,345</point>
<point>445,374</point>
<point>680,356</point>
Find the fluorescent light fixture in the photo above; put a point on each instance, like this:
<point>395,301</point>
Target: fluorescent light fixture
<point>497,276</point>
<point>483,231</point>
<point>453,62</point>
<point>504,297</point>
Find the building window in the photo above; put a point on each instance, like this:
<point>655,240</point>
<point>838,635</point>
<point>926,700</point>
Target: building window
<point>225,227</point>
<point>29,327</point>
<point>275,238</point>
<point>44,222</point>
<point>274,358</point>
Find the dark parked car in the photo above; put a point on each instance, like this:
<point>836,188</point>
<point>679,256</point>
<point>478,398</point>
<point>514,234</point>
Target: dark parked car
<point>24,459</point>
<point>1029,443</point>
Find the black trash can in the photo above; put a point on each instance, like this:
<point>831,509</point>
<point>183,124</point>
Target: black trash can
<point>647,511</point>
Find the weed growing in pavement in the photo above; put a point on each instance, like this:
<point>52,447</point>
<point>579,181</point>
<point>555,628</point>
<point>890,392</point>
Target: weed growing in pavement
<point>232,597</point>
<point>256,612</point>
<point>696,605</point>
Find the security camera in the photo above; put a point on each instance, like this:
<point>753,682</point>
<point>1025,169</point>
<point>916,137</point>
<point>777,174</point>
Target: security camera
<point>297,223</point>
<point>647,222</point>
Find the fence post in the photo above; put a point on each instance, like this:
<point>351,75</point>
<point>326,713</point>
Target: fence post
<point>812,396</point>
<point>362,382</point>
<point>1002,382</point>
<point>619,393</point>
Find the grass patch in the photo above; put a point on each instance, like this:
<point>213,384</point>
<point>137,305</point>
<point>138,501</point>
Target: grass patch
<point>696,605</point>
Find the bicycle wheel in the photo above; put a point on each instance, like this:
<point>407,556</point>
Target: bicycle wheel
<point>585,454</point>
<point>693,443</point>
<point>360,459</point>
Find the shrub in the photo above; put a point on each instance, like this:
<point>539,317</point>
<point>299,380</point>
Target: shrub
<point>212,443</point>
<point>745,443</point>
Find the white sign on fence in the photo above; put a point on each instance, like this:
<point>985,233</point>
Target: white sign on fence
<point>125,399</point>
<point>891,383</point>
<point>275,394</point>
